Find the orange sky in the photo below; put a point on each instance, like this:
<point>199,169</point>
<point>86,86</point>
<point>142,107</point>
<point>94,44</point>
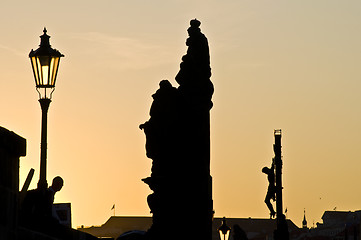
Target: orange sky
<point>293,65</point>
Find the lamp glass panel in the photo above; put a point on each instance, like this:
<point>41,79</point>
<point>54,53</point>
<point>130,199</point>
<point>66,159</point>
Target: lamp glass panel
<point>38,66</point>
<point>45,74</point>
<point>224,236</point>
<point>35,69</point>
<point>45,67</point>
<point>54,63</point>
<point>45,70</point>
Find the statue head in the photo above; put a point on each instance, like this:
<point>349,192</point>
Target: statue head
<point>194,28</point>
<point>266,170</point>
<point>195,23</point>
<point>165,84</point>
<point>57,184</point>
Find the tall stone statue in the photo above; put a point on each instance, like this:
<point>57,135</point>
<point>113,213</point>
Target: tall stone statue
<point>178,142</point>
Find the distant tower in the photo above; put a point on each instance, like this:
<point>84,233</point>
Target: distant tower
<point>304,222</point>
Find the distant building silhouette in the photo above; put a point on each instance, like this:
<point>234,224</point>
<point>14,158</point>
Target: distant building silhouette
<point>254,228</point>
<point>336,225</point>
<point>340,222</point>
<point>116,226</point>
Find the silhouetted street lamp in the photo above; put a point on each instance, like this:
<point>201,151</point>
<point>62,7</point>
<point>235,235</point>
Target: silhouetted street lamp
<point>224,230</point>
<point>45,62</point>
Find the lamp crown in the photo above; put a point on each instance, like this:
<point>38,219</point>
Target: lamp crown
<point>45,48</point>
<point>44,42</point>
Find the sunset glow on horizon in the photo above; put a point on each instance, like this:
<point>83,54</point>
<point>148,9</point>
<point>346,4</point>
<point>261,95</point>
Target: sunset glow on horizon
<point>290,65</point>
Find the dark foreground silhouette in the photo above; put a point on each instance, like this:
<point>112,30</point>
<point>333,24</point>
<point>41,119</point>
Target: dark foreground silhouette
<point>36,214</point>
<point>36,210</point>
<point>26,215</point>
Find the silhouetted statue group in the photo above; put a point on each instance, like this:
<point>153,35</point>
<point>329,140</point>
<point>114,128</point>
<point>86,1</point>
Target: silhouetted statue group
<point>37,204</point>
<point>177,141</point>
<point>36,210</point>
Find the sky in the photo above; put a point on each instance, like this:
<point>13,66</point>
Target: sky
<point>290,65</point>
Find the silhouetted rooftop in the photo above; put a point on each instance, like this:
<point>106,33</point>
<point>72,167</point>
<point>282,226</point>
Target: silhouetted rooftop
<point>333,218</point>
<point>117,225</point>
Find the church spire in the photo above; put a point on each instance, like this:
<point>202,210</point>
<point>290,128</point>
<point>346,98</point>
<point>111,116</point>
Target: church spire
<point>304,222</point>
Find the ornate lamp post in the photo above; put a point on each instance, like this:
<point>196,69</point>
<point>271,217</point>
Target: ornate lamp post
<point>224,230</point>
<point>45,62</point>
